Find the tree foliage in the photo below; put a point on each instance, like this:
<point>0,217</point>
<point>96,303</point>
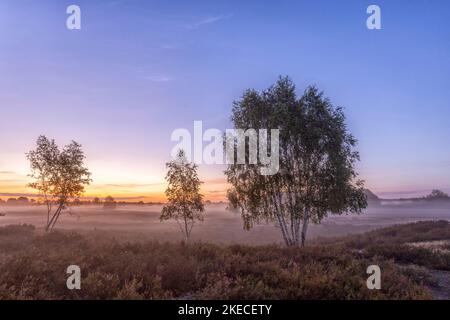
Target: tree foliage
<point>317,159</point>
<point>184,201</point>
<point>437,195</point>
<point>109,203</point>
<point>59,175</point>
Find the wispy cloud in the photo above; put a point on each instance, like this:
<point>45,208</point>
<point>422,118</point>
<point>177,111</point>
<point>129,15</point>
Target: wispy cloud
<point>209,20</point>
<point>10,194</point>
<point>133,185</point>
<point>216,192</point>
<point>9,181</point>
<point>116,3</point>
<point>7,172</point>
<point>159,78</point>
<point>170,46</point>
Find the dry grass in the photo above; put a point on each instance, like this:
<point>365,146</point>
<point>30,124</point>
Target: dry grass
<point>33,266</point>
<point>395,243</point>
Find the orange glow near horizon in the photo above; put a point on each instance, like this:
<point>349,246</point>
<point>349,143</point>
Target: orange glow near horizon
<point>13,185</point>
<point>145,181</point>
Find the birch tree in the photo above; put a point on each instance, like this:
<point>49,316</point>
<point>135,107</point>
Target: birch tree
<point>59,175</point>
<point>43,163</point>
<point>184,201</point>
<point>317,160</point>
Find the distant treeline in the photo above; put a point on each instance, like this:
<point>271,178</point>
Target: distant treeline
<point>435,195</point>
<point>20,201</point>
<point>107,202</point>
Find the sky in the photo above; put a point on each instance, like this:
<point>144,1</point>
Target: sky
<point>137,70</point>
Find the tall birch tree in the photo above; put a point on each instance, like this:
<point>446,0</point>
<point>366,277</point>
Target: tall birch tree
<point>317,173</point>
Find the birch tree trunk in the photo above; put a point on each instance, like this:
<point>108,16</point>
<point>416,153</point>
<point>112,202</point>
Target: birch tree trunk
<point>305,226</point>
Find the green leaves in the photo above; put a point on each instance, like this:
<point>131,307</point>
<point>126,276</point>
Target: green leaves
<point>58,174</point>
<point>317,159</point>
<point>184,201</point>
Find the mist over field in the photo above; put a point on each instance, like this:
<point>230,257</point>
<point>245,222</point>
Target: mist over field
<point>220,226</point>
<point>224,150</point>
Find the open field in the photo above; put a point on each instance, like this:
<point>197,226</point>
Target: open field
<point>219,226</point>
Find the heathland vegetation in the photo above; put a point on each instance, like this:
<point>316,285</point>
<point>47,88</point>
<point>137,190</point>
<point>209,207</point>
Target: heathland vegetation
<point>33,265</point>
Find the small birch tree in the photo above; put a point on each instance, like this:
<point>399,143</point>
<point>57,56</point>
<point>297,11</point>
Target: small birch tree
<point>43,163</point>
<point>59,175</point>
<point>184,201</point>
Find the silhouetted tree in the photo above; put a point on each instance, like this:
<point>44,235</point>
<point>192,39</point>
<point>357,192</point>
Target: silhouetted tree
<point>437,195</point>
<point>96,201</point>
<point>59,175</point>
<point>109,203</point>
<point>184,201</point>
<point>316,175</point>
<point>11,201</point>
<point>22,201</point>
<point>44,165</point>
